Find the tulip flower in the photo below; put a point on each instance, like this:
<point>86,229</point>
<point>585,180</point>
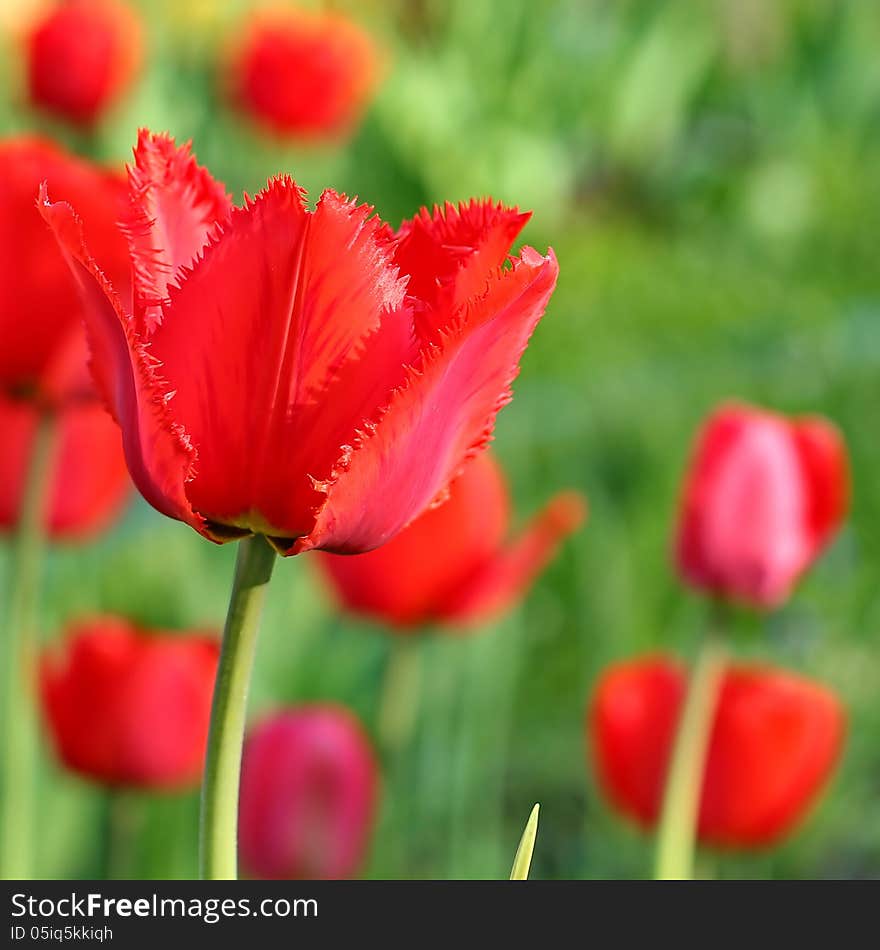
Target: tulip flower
<point>308,795</point>
<point>453,564</point>
<point>302,74</point>
<point>774,741</point>
<point>308,378</point>
<point>44,351</point>
<point>82,56</point>
<point>89,480</point>
<point>128,707</point>
<point>763,497</point>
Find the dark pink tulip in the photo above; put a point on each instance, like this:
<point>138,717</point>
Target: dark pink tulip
<point>763,497</point>
<point>308,795</point>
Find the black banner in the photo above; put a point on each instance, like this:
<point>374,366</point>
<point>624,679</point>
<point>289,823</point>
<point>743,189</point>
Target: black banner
<point>592,913</point>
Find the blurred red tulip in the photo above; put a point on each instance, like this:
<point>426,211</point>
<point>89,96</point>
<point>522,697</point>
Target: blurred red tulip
<point>764,495</point>
<point>774,743</point>
<point>453,563</point>
<point>308,795</point>
<point>328,398</point>
<point>90,481</point>
<point>130,708</point>
<point>82,56</point>
<point>44,351</point>
<point>304,74</point>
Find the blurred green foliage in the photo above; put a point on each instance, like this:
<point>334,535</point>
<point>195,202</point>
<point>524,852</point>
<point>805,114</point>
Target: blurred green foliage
<point>707,174</point>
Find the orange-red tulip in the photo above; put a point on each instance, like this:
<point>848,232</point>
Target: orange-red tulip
<point>304,74</point>
<point>308,795</point>
<point>763,497</point>
<point>82,56</point>
<point>775,740</point>
<point>89,480</point>
<point>44,353</point>
<point>311,376</point>
<point>127,707</point>
<point>454,563</point>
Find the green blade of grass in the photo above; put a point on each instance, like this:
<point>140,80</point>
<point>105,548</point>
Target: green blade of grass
<point>523,860</point>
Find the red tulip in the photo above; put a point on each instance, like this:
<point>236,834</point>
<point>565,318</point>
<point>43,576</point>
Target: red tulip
<point>89,482</point>
<point>82,56</point>
<point>44,348</point>
<point>453,563</point>
<point>304,74</point>
<point>763,497</point>
<point>129,708</point>
<point>311,376</point>
<point>308,795</point>
<point>774,743</point>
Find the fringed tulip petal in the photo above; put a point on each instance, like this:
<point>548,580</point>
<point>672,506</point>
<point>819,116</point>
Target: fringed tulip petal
<point>440,417</point>
<point>173,207</point>
<point>159,455</point>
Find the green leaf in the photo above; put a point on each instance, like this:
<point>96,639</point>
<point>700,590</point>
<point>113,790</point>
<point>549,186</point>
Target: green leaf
<point>523,860</point>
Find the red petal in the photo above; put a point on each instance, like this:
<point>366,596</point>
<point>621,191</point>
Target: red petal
<point>451,254</point>
<point>775,741</point>
<point>826,470</point>
<point>40,308</point>
<point>174,205</point>
<point>440,416</point>
<point>508,575</point>
<point>279,302</point>
<point>159,455</point>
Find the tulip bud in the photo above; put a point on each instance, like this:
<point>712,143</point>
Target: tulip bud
<point>308,795</point>
<point>128,708</point>
<point>82,56</point>
<point>763,497</point>
<point>775,740</point>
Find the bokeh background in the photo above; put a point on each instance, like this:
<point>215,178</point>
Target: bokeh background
<point>708,176</point>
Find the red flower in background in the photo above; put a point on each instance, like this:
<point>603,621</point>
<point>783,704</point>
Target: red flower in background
<point>308,795</point>
<point>304,74</point>
<point>82,56</point>
<point>44,353</point>
<point>775,741</point>
<point>763,497</point>
<point>127,707</point>
<point>90,481</point>
<point>453,563</point>
<point>311,376</point>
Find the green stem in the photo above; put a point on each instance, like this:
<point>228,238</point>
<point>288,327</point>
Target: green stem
<point>123,820</point>
<point>20,720</point>
<point>676,837</point>
<point>398,704</point>
<point>219,814</point>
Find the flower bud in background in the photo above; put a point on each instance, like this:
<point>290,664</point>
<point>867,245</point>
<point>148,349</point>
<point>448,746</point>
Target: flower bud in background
<point>308,795</point>
<point>775,740</point>
<point>763,497</point>
<point>90,481</point>
<point>454,563</point>
<point>128,707</point>
<point>44,354</point>
<point>82,56</point>
<point>303,74</point>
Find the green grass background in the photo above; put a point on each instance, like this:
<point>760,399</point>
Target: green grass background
<point>708,176</point>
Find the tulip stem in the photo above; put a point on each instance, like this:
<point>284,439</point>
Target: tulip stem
<point>219,812</point>
<point>677,833</point>
<point>398,704</point>
<point>123,819</point>
<point>20,710</point>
